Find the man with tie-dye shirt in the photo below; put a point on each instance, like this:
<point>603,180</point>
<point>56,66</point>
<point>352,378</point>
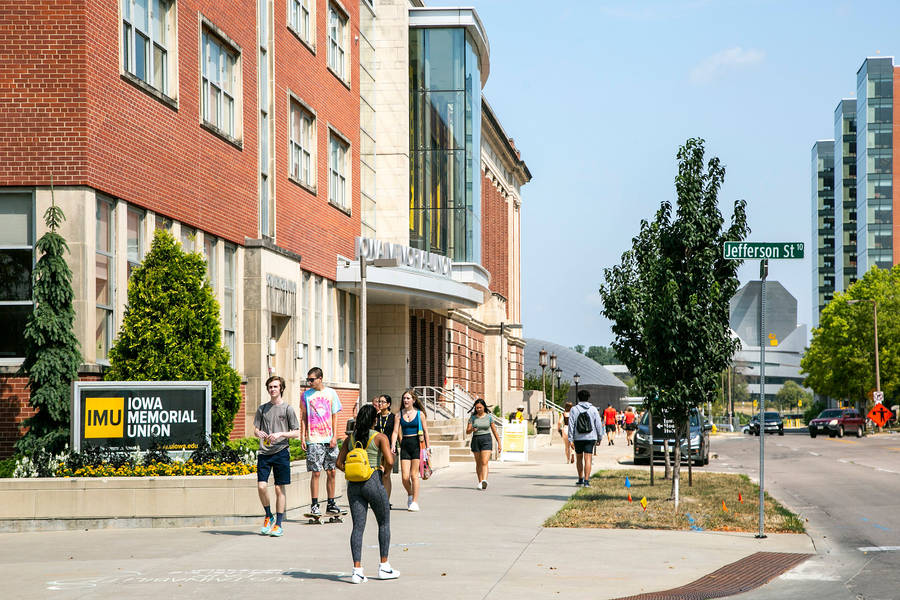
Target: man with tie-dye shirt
<point>318,422</point>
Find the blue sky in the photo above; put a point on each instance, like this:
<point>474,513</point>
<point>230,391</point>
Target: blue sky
<point>599,95</point>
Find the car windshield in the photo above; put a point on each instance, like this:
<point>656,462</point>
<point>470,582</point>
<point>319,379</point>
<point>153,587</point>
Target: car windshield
<point>772,416</point>
<point>830,413</point>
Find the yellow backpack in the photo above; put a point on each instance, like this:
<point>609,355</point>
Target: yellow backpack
<point>356,466</point>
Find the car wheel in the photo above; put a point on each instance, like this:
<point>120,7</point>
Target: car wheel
<point>860,431</point>
<point>840,431</point>
<point>831,434</point>
<point>812,433</point>
<point>781,431</point>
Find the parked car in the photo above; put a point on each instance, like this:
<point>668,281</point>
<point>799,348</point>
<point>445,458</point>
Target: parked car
<point>664,429</point>
<point>774,423</point>
<point>837,421</point>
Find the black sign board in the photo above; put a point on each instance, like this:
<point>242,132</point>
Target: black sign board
<point>175,415</point>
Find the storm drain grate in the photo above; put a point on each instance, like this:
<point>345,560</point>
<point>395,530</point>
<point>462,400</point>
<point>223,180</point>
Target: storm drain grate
<point>735,578</point>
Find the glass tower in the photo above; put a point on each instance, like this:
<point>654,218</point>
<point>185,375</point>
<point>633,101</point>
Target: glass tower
<point>822,226</point>
<point>844,194</point>
<point>874,172</point>
<point>445,143</point>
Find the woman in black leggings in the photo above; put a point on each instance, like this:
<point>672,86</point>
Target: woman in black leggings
<point>369,493</point>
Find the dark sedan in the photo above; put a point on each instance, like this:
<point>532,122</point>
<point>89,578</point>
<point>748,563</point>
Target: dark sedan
<point>774,424</point>
<point>664,430</point>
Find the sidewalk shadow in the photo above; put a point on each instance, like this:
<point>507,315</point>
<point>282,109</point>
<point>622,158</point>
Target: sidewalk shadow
<point>561,477</point>
<point>235,533</point>
<point>539,497</point>
<point>331,576</point>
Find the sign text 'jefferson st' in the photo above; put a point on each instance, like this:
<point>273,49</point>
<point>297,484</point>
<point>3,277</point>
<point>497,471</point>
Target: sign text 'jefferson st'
<point>763,250</point>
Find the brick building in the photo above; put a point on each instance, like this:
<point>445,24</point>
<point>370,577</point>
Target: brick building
<point>274,139</point>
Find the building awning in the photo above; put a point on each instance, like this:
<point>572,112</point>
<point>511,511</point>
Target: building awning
<point>412,287</point>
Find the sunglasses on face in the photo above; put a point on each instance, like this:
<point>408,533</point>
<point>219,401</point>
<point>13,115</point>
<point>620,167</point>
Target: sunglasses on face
<point>311,379</point>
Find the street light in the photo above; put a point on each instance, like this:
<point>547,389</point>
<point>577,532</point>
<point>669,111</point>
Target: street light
<point>363,358</point>
<point>542,360</point>
<point>502,362</point>
<point>875,312</point>
<point>576,378</point>
<point>552,371</point>
<point>558,383</point>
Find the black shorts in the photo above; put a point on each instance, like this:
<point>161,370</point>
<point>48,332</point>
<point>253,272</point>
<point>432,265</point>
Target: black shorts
<point>280,463</point>
<point>482,443</point>
<point>630,426</point>
<point>409,448</point>
<point>610,428</point>
<point>584,446</point>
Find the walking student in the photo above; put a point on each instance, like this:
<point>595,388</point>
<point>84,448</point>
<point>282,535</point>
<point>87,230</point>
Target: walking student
<point>318,422</point>
<point>413,435</point>
<point>585,430</point>
<point>481,426</point>
<point>630,426</point>
<point>562,426</point>
<point>384,423</point>
<point>609,417</point>
<point>368,492</point>
<point>274,424</point>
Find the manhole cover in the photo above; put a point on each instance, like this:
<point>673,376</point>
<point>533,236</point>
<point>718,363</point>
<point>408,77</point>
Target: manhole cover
<point>735,578</point>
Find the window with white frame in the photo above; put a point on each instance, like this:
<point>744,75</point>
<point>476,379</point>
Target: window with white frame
<point>16,263</point>
<point>188,238</point>
<point>317,332</point>
<point>301,20</point>
<point>135,241</point>
<point>209,252</point>
<point>104,278</point>
<point>305,329</point>
<point>266,195</point>
<point>337,42</point>
<point>229,312</point>
<point>351,318</point>
<point>330,305</point>
<point>146,41</point>
<point>338,159</point>
<point>342,334</point>
<point>219,83</point>
<point>302,142</point>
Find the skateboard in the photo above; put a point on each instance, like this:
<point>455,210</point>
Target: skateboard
<point>325,517</point>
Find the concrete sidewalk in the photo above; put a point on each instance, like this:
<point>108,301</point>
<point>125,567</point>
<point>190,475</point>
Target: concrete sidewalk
<point>465,543</point>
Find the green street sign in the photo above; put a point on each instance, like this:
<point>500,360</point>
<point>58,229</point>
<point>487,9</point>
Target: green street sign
<point>762,250</point>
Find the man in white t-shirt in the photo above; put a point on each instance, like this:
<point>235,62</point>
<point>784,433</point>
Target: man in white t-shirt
<point>318,422</point>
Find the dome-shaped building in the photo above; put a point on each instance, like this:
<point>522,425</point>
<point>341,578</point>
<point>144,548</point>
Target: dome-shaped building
<point>605,388</point>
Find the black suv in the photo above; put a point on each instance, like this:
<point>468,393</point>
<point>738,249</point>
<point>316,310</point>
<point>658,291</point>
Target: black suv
<point>664,429</point>
<point>774,423</point>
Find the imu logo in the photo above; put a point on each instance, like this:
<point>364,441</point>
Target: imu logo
<point>104,417</point>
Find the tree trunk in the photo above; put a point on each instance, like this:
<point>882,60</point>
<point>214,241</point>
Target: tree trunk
<point>666,456</point>
<point>676,466</point>
<point>687,433</point>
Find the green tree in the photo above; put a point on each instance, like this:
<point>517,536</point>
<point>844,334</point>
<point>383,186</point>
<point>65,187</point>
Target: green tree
<point>533,382</point>
<point>602,355</point>
<point>52,355</point>
<point>840,361</point>
<point>171,330</point>
<point>578,348</point>
<point>668,300</point>
<point>792,396</point>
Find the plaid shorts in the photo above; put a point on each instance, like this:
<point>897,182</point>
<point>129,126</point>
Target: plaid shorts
<point>320,457</point>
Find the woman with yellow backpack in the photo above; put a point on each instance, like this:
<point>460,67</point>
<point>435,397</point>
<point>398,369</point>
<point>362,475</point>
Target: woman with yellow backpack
<point>364,457</point>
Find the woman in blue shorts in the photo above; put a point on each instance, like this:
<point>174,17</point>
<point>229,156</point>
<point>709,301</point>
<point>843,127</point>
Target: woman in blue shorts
<point>413,435</point>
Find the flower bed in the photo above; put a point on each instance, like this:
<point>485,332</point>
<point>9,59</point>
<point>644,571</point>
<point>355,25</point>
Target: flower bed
<point>157,469</point>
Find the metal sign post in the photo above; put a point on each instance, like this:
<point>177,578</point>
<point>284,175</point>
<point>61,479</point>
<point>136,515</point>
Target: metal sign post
<point>763,251</point>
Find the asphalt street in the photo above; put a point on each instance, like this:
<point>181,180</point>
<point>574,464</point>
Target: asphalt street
<point>847,490</point>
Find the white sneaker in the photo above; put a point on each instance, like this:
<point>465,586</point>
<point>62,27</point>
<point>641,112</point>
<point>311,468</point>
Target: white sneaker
<point>358,577</point>
<point>389,574</point>
<point>484,484</point>
<point>478,485</point>
<point>413,507</point>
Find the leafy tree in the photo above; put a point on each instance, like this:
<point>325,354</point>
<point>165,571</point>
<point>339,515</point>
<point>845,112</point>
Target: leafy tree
<point>668,300</point>
<point>840,361</point>
<point>813,411</point>
<point>171,330</point>
<point>533,382</point>
<point>602,355</point>
<point>791,394</point>
<point>578,348</point>
<point>52,354</point>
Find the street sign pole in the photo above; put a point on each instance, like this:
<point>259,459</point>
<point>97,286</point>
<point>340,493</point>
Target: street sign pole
<point>763,339</point>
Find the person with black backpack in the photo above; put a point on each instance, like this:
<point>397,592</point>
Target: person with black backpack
<point>585,430</point>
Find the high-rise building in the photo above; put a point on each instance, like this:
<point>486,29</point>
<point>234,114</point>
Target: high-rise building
<point>844,194</point>
<point>822,254</point>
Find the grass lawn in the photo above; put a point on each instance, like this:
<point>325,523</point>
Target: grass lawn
<point>605,504</point>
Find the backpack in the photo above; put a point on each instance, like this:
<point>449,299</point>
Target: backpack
<point>356,465</point>
<point>583,423</point>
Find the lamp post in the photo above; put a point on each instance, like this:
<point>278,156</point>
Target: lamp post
<point>552,371</point>
<point>542,360</point>
<point>558,382</point>
<point>875,312</point>
<point>363,327</point>
<point>576,378</point>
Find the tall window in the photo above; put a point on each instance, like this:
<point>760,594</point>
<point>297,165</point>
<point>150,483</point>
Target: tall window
<point>209,251</point>
<point>300,19</point>
<point>337,42</point>
<point>342,333</point>
<point>351,317</point>
<point>367,117</point>
<point>145,41</point>
<point>135,242</point>
<point>266,197</point>
<point>188,238</point>
<point>218,84</point>
<point>16,261</point>
<point>303,145</point>
<point>317,340</point>
<point>305,328</point>
<point>329,321</point>
<point>337,167</point>
<point>105,283</point>
<point>229,323</point>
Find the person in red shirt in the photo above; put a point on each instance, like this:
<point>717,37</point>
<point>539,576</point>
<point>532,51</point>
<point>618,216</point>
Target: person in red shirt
<point>609,418</point>
<point>630,425</point>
